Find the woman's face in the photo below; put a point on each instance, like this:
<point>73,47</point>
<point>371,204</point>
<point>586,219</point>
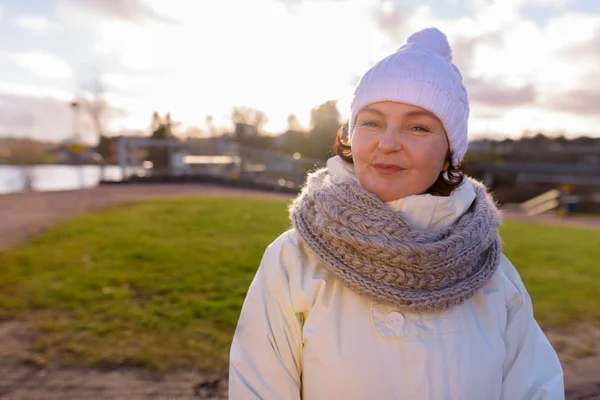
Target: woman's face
<point>398,149</point>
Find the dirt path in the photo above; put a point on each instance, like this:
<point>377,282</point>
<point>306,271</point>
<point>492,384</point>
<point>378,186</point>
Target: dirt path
<point>22,378</point>
<point>25,214</point>
<point>551,219</point>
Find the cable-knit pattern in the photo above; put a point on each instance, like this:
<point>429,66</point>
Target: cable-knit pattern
<point>374,251</point>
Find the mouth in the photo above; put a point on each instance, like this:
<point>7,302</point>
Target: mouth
<point>387,169</point>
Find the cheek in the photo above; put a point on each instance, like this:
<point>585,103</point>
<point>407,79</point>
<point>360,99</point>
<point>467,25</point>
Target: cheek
<point>430,155</point>
<point>361,149</point>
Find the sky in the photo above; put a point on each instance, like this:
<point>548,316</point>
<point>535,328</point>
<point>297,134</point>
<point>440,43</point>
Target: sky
<point>528,65</point>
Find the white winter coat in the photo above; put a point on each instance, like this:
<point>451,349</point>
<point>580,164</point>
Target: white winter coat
<point>302,334</point>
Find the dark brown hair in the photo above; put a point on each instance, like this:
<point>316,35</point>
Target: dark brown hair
<point>446,182</point>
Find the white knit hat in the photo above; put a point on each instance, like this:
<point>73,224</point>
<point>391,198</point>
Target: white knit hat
<point>420,73</point>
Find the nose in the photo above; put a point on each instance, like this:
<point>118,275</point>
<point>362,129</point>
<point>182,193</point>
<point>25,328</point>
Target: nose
<point>389,141</point>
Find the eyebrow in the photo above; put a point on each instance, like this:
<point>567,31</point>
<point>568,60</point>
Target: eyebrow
<point>370,109</point>
<point>414,113</point>
<point>417,113</point>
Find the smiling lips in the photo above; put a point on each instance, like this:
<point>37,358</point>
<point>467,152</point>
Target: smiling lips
<point>387,169</point>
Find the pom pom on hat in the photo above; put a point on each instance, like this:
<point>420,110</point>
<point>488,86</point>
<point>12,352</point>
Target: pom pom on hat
<point>434,39</point>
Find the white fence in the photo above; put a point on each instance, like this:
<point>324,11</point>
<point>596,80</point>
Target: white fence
<point>542,203</point>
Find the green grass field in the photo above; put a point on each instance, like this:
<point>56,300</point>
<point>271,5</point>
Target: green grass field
<point>160,284</point>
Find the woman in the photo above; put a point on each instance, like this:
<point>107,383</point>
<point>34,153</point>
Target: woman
<point>392,284</point>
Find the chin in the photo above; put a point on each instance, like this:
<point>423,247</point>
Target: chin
<point>386,195</point>
<point>383,187</point>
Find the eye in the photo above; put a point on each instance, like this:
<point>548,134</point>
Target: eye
<point>420,129</point>
<point>370,124</point>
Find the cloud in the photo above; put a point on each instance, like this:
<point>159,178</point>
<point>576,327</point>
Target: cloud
<point>126,10</point>
<point>35,23</point>
<point>486,113</point>
<point>463,47</point>
<point>40,112</point>
<point>584,98</point>
<point>391,21</point>
<point>44,113</point>
<point>297,3</point>
<point>258,53</point>
<point>510,60</point>
<point>588,50</point>
<point>306,1</point>
<point>34,91</point>
<point>40,117</point>
<point>45,65</point>
<point>580,102</point>
<point>211,66</point>
<point>397,22</point>
<point>496,94</point>
<point>553,4</point>
<point>1,10</point>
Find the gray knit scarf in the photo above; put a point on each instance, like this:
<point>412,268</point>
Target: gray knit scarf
<point>375,252</point>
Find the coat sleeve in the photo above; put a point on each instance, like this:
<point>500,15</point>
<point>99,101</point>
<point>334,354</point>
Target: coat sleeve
<point>531,369</point>
<point>265,356</point>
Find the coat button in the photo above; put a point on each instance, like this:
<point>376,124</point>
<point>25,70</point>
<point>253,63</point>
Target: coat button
<point>395,320</point>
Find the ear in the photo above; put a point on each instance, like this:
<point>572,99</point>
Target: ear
<point>446,166</point>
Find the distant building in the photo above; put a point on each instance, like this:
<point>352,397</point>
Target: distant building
<point>211,146</point>
<point>538,149</point>
<point>74,154</point>
<point>245,132</point>
<point>291,141</point>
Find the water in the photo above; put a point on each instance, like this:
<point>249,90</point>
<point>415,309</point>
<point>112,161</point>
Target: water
<point>14,179</point>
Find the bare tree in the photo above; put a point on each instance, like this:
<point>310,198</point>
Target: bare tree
<point>94,106</point>
<point>325,120</point>
<point>293,124</point>
<point>250,116</point>
<point>211,129</point>
<point>193,132</point>
<point>94,110</point>
<point>156,121</point>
